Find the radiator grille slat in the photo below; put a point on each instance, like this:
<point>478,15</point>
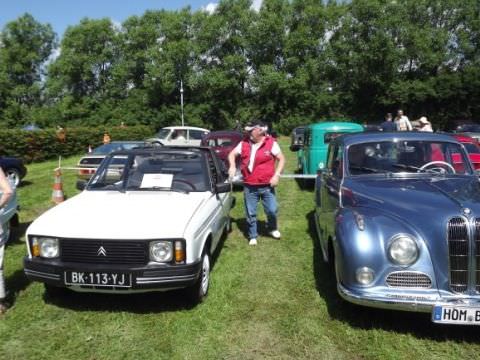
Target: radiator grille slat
<point>116,252</point>
<point>458,246</point>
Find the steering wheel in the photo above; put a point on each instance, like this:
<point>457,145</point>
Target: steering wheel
<point>423,167</point>
<point>185,182</point>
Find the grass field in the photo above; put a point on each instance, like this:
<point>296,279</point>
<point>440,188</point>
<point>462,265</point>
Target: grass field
<point>273,301</point>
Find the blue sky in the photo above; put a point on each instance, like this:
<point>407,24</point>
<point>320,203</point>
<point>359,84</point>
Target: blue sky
<point>62,13</point>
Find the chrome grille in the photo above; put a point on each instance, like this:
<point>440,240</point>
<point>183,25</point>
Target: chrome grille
<point>477,255</point>
<point>114,251</point>
<point>409,279</point>
<point>458,248</point>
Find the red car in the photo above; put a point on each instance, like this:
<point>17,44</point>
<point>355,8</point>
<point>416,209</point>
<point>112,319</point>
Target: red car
<point>222,142</point>
<point>472,147</point>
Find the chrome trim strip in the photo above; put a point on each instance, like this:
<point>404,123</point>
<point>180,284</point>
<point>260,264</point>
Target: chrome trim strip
<point>42,274</point>
<point>164,279</point>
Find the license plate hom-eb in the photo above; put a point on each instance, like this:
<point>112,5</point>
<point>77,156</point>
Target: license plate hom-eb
<point>451,314</point>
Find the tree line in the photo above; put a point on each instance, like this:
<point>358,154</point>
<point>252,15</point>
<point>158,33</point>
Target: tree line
<point>292,62</point>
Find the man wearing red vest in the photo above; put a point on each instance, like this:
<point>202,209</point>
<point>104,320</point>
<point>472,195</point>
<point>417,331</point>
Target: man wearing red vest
<point>259,154</point>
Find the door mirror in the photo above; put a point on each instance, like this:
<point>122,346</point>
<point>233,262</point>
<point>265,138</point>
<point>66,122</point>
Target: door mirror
<point>223,187</point>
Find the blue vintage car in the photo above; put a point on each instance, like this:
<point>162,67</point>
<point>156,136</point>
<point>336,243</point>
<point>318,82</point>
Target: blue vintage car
<point>399,216</point>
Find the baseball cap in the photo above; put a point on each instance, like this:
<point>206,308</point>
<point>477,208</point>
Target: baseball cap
<point>256,124</point>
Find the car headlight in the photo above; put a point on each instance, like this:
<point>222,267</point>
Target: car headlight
<point>161,251</point>
<point>403,249</point>
<point>45,247</point>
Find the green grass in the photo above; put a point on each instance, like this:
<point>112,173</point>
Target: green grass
<point>276,300</point>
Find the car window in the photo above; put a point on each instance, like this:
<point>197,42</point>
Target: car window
<point>472,148</point>
<point>335,161</point>
<point>167,171</point>
<point>163,133</point>
<point>407,156</point>
<point>196,134</point>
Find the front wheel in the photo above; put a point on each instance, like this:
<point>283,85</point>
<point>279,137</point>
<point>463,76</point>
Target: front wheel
<point>199,290</point>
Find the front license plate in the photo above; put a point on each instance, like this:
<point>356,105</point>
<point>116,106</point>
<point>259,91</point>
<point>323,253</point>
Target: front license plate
<point>456,315</point>
<point>106,279</point>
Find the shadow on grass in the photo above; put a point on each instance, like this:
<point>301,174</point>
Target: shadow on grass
<point>140,303</point>
<point>414,323</point>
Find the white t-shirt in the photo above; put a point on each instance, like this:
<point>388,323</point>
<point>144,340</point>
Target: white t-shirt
<point>238,150</point>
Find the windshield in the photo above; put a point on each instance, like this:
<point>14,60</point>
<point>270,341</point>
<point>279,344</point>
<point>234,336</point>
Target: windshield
<point>163,133</point>
<point>184,172</point>
<point>108,148</point>
<point>407,156</point>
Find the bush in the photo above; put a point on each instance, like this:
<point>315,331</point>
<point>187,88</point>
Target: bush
<point>45,144</point>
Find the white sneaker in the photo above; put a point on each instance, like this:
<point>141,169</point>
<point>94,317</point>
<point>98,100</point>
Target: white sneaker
<point>252,242</point>
<point>275,234</point>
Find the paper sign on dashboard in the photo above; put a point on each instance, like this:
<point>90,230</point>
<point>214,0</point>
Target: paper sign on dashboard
<point>157,181</point>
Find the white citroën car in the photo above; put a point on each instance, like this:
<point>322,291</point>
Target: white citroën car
<point>148,220</point>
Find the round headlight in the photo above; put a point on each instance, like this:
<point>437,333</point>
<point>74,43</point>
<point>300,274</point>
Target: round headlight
<point>161,251</point>
<point>403,250</point>
<point>49,248</point>
<point>364,276</point>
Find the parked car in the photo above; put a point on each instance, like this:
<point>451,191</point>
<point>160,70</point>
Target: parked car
<point>400,221</point>
<point>472,130</point>
<point>89,163</point>
<point>297,138</point>
<point>472,147</point>
<point>9,214</point>
<point>316,139</point>
<point>179,136</point>
<point>155,217</point>
<point>222,142</point>
<point>14,168</point>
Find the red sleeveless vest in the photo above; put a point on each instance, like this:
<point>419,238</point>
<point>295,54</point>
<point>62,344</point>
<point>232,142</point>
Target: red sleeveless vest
<point>263,165</point>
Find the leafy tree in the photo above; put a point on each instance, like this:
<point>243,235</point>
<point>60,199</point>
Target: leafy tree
<point>25,46</point>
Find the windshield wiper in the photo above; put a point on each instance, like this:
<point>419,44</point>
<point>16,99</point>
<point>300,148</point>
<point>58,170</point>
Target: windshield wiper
<point>364,168</point>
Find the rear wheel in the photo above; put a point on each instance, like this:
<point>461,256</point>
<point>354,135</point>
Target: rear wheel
<point>199,290</point>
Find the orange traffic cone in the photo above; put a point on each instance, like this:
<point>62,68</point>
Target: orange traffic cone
<point>57,193</point>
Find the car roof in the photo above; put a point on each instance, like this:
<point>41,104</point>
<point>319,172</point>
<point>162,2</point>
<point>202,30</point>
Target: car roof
<point>360,137</point>
<point>184,128</point>
<point>152,150</point>
<point>335,125</point>
<point>219,133</point>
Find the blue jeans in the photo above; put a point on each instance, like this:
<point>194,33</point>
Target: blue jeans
<point>252,195</point>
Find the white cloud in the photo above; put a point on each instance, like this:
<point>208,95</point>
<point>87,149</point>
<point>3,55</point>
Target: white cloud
<point>210,8</point>
<point>257,4</point>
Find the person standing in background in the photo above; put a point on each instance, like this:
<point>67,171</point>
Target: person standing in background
<point>106,138</point>
<point>388,124</point>
<point>425,125</point>
<point>402,122</point>
<point>7,193</point>
<point>259,153</point>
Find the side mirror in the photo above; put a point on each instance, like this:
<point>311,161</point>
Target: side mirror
<point>81,185</point>
<point>223,187</point>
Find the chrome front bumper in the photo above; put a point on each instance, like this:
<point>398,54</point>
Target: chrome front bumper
<point>406,301</point>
